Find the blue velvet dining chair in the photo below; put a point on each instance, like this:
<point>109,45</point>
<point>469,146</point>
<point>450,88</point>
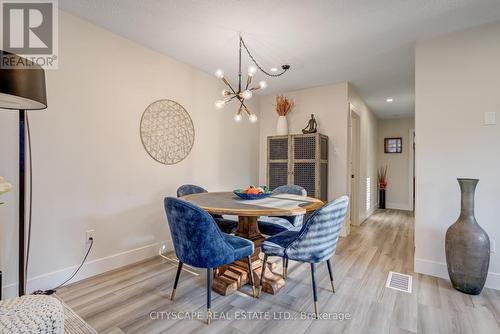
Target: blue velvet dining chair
<point>273,225</point>
<point>198,242</point>
<point>315,242</point>
<point>226,225</point>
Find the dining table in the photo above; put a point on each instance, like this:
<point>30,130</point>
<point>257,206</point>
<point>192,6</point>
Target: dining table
<point>232,277</point>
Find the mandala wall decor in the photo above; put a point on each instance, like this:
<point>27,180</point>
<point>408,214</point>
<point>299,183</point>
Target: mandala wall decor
<point>167,132</point>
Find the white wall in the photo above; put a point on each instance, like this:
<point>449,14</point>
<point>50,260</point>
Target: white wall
<point>90,169</point>
<point>330,105</point>
<point>457,80</point>
<point>368,155</point>
<point>398,193</point>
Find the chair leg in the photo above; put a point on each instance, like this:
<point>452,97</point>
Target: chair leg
<point>250,275</point>
<point>209,295</point>
<point>264,265</point>
<point>179,269</point>
<point>315,294</point>
<point>331,274</point>
<point>284,267</point>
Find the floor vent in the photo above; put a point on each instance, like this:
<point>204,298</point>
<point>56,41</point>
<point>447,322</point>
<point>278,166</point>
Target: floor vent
<point>398,281</point>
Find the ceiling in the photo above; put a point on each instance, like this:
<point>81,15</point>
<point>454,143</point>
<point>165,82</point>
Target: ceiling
<point>368,43</point>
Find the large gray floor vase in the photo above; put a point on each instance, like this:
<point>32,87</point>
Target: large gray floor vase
<point>467,245</point>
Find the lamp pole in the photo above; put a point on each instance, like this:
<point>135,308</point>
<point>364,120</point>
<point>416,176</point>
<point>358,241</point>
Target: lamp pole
<point>22,232</point>
<point>22,88</point>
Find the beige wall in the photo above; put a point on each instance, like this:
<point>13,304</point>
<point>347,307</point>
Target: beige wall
<point>330,105</point>
<point>400,184</point>
<point>90,169</point>
<point>457,80</point>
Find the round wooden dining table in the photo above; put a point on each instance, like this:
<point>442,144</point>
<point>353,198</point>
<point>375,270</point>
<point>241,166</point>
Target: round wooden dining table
<point>231,277</point>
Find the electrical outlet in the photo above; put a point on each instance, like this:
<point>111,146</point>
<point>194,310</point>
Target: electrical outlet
<point>89,235</point>
<point>490,118</point>
<point>493,246</point>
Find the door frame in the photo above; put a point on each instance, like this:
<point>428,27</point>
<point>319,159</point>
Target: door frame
<point>354,168</point>
<point>411,168</point>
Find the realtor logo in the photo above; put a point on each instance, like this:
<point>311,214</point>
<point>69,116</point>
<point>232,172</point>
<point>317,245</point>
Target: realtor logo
<point>29,29</point>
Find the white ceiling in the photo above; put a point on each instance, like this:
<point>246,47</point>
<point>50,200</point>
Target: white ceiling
<point>367,42</point>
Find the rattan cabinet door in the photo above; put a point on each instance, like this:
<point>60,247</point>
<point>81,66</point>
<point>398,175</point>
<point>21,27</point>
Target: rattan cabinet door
<point>278,161</point>
<point>304,175</point>
<point>304,163</point>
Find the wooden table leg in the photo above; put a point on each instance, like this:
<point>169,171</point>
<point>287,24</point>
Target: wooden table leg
<point>235,275</point>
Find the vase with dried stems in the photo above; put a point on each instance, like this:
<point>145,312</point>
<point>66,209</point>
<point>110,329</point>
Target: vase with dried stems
<point>382,186</point>
<point>283,107</point>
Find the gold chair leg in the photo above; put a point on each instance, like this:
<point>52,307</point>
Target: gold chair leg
<point>209,316</point>
<point>330,272</point>
<point>177,275</point>
<point>316,309</point>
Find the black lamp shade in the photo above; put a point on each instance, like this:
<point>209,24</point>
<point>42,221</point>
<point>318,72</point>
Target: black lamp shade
<point>22,88</point>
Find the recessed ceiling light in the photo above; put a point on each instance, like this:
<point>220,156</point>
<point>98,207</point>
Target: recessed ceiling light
<point>274,69</point>
<point>389,100</point>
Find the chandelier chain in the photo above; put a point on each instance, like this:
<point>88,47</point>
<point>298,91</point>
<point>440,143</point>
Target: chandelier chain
<point>257,64</point>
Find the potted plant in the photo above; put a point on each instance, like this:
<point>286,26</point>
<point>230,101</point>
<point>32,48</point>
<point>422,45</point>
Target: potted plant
<point>382,186</point>
<point>283,107</point>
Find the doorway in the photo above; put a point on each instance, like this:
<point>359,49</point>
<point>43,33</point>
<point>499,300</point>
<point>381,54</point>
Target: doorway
<point>355,131</point>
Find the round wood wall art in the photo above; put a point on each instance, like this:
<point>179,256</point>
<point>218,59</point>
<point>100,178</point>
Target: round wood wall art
<point>167,132</point>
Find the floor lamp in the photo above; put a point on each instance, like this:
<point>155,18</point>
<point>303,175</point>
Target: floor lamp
<point>22,88</point>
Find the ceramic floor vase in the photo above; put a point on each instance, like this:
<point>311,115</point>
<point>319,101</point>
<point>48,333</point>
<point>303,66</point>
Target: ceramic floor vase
<point>467,245</point>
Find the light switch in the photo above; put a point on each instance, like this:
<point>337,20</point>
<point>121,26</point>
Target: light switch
<point>490,118</point>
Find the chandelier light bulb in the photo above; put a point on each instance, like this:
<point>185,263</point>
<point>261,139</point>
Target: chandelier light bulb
<point>251,71</point>
<point>225,93</point>
<point>253,118</point>
<point>219,104</point>
<point>237,117</point>
<point>247,94</point>
<point>219,74</point>
<point>262,84</point>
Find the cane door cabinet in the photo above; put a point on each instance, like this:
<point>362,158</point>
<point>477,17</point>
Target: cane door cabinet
<point>300,159</point>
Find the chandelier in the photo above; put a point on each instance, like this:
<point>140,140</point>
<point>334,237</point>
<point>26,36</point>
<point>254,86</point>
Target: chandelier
<point>245,90</point>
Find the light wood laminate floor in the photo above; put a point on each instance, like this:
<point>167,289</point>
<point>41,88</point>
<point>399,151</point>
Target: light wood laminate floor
<point>121,301</point>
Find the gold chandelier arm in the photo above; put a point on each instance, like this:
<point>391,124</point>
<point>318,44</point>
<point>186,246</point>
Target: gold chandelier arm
<point>255,88</point>
<point>246,109</point>
<point>230,99</point>
<point>249,81</point>
<point>229,85</point>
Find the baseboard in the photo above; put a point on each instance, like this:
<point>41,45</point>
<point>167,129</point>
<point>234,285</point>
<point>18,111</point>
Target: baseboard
<point>89,269</point>
<point>439,269</point>
<point>399,206</point>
